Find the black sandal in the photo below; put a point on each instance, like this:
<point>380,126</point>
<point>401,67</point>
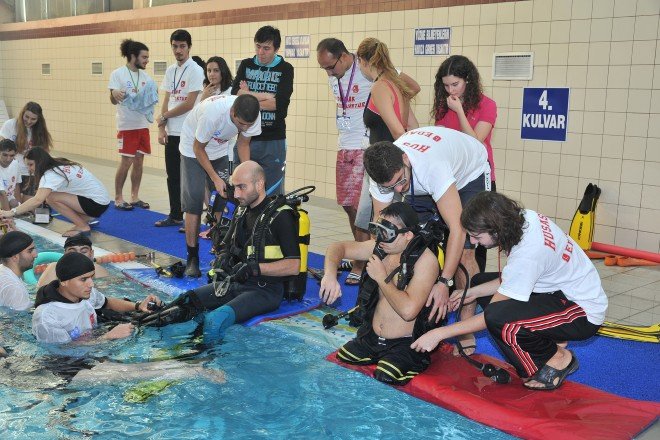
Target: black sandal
<point>547,375</point>
<point>168,221</point>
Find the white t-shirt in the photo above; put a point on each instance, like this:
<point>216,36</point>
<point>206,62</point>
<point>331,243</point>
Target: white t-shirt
<point>351,138</point>
<point>439,156</point>
<point>13,293</point>
<point>210,122</point>
<point>8,131</point>
<point>78,181</point>
<point>9,178</point>
<point>179,81</point>
<point>124,79</point>
<point>59,322</point>
<point>547,260</point>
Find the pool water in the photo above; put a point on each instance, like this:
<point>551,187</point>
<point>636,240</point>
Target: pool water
<point>278,385</point>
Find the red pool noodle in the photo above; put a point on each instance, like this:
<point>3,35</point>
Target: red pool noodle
<point>626,252</point>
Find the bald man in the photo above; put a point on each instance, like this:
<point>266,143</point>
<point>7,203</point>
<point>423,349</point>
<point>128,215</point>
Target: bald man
<point>254,282</point>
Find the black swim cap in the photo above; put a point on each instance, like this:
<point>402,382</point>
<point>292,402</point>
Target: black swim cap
<point>78,240</point>
<point>13,243</point>
<point>73,265</point>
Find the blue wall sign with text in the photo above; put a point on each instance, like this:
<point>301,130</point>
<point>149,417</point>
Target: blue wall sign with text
<point>432,41</point>
<point>544,114</point>
<point>296,46</point>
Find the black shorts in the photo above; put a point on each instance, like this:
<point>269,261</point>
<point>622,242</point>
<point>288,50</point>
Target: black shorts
<point>90,207</point>
<point>397,363</point>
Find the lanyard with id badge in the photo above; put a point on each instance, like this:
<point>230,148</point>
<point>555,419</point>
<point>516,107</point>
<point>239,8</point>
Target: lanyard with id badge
<point>343,121</point>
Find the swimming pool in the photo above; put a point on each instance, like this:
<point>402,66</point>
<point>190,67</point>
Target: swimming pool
<point>278,386</point>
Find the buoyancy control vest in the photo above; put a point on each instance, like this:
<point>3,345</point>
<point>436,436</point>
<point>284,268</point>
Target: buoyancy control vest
<point>368,292</point>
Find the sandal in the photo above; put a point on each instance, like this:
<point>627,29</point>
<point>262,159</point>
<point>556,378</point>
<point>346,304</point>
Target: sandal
<point>140,204</point>
<point>550,378</point>
<point>124,206</point>
<point>353,279</point>
<point>168,221</point>
<point>345,266</point>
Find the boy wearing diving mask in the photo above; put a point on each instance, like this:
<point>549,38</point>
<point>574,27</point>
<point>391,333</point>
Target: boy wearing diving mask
<point>385,335</point>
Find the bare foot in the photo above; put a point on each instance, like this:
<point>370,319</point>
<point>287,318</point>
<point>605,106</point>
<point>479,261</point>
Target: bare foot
<point>469,344</point>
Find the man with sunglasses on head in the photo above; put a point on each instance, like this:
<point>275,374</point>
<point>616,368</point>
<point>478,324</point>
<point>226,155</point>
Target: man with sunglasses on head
<point>437,170</point>
<point>400,273</point>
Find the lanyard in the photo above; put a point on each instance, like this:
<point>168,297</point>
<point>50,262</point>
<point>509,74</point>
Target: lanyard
<point>138,79</point>
<point>175,83</point>
<point>344,100</point>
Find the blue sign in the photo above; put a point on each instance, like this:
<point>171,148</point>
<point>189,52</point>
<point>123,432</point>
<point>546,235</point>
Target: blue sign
<point>432,41</point>
<point>544,114</point>
<point>296,46</point>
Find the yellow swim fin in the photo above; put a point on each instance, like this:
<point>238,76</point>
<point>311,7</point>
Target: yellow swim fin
<point>582,226</point>
<point>649,333</point>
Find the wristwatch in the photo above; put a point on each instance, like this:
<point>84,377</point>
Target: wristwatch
<point>163,118</point>
<point>447,282</point>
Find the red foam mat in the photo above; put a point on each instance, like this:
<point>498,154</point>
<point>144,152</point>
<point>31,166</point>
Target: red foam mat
<point>574,411</point>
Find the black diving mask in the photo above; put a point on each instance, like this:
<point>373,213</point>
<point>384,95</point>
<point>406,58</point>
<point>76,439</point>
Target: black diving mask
<point>385,231</point>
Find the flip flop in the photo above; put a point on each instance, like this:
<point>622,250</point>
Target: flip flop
<point>345,265</point>
<point>353,279</point>
<point>141,204</point>
<point>124,206</point>
<point>547,375</point>
<point>168,221</point>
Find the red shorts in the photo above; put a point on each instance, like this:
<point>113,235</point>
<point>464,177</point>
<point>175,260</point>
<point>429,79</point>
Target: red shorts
<point>130,142</point>
<point>349,174</point>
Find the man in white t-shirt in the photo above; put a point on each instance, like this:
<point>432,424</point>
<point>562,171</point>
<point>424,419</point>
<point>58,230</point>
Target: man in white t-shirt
<point>183,81</point>
<point>10,176</point>
<point>438,170</point>
<point>205,137</point>
<point>548,293</point>
<point>66,307</point>
<point>17,254</point>
<point>132,126</point>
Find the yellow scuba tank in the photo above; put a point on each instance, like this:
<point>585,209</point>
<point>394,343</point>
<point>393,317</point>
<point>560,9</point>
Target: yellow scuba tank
<point>582,226</point>
<point>297,285</point>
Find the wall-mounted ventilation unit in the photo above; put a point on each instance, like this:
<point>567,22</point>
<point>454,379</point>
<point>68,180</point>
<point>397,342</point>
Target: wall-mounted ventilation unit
<point>45,69</point>
<point>160,67</point>
<point>513,66</point>
<point>97,68</point>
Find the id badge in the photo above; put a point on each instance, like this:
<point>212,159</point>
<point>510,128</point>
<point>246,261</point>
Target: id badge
<point>343,123</point>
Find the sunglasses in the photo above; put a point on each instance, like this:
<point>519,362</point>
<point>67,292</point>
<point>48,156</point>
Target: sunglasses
<point>385,231</point>
<point>390,188</point>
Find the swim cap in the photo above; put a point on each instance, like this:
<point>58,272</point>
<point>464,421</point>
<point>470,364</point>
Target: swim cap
<point>73,265</point>
<point>78,240</point>
<point>13,243</point>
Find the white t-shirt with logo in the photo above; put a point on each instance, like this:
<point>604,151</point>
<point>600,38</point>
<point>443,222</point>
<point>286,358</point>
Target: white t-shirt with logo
<point>547,260</point>
<point>8,131</point>
<point>9,178</point>
<point>59,322</point>
<point>351,138</point>
<point>210,122</point>
<point>439,156</point>
<point>124,79</point>
<point>13,293</point>
<point>78,181</point>
<point>179,81</point>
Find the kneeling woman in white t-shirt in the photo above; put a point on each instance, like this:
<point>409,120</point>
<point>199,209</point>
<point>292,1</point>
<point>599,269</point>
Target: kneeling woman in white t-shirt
<point>67,187</point>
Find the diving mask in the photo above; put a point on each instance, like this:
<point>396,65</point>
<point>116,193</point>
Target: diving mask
<point>385,231</point>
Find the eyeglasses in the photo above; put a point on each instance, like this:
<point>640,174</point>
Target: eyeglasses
<point>331,67</point>
<point>390,188</point>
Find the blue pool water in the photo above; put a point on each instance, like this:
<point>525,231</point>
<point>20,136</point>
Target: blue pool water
<point>278,385</point>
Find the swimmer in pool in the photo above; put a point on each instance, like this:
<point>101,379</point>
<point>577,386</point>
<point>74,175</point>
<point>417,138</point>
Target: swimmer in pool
<point>82,244</point>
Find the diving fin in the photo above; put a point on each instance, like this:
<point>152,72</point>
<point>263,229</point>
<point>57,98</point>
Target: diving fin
<point>582,226</point>
<point>649,333</point>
